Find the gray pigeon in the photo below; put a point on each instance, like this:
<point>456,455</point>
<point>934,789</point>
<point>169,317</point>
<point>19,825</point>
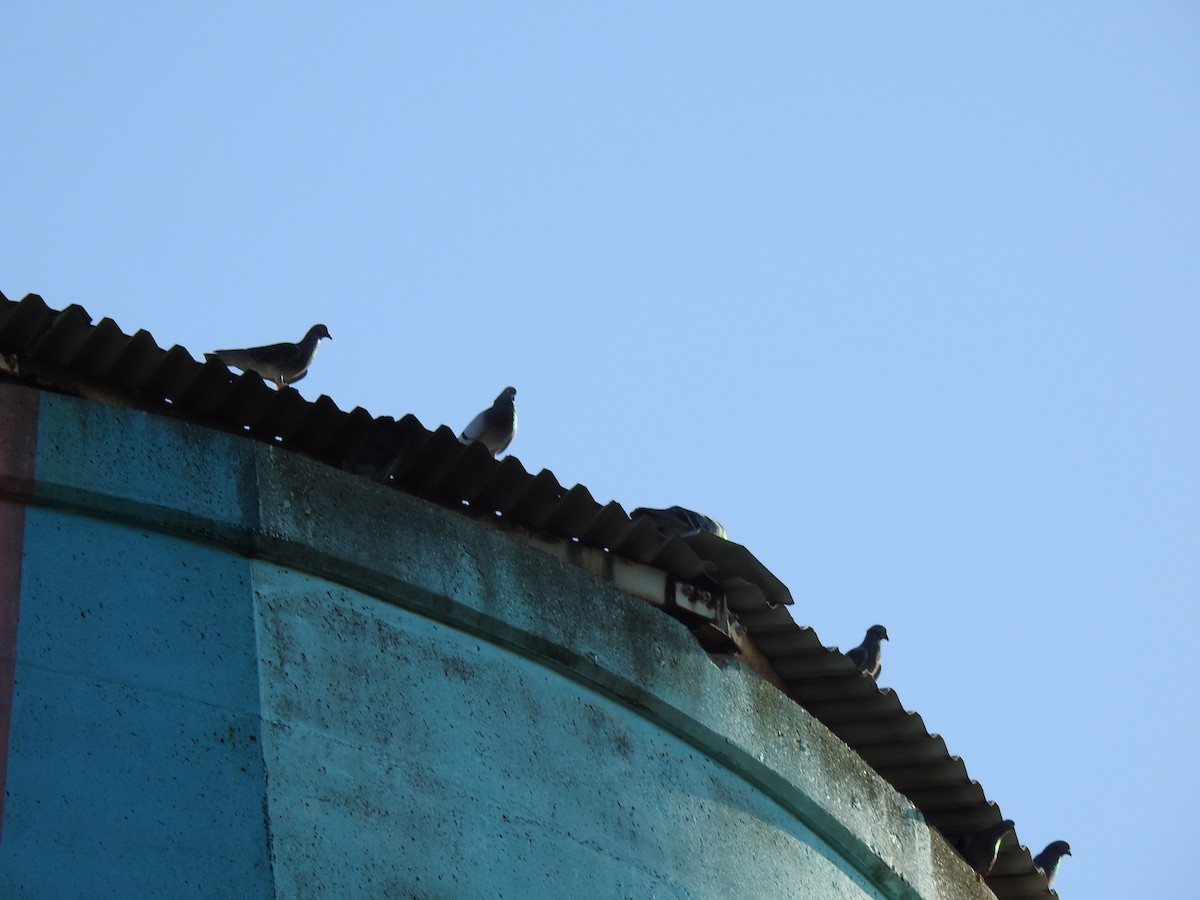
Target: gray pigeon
<point>1047,861</point>
<point>281,364</point>
<point>683,522</point>
<point>496,426</point>
<point>866,655</point>
<point>980,848</point>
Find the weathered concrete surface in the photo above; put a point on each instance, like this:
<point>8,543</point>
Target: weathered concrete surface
<point>531,787</point>
<point>242,673</point>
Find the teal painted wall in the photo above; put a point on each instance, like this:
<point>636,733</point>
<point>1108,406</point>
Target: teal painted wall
<point>243,674</point>
<point>135,768</point>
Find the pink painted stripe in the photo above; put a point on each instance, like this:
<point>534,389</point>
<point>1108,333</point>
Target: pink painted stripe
<point>18,457</point>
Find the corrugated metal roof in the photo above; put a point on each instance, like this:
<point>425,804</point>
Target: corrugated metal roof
<point>64,351</point>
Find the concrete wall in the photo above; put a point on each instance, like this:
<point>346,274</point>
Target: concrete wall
<point>242,674</point>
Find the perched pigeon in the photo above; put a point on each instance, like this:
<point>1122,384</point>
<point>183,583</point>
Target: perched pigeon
<point>866,655</point>
<point>281,364</point>
<point>680,521</point>
<point>1049,859</point>
<point>980,848</point>
<point>496,426</point>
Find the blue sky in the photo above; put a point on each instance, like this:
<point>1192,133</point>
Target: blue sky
<point>905,295</point>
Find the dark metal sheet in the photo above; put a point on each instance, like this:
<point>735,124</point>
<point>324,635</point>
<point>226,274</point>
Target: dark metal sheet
<point>24,323</point>
<point>64,338</point>
<point>173,373</point>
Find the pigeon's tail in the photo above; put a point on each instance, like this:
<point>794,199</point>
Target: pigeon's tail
<point>236,359</point>
<point>240,359</point>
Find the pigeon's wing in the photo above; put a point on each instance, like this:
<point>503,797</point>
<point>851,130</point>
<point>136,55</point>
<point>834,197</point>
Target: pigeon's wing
<point>696,522</point>
<point>273,356</point>
<point>278,354</point>
<point>474,431</point>
<point>676,520</point>
<point>690,519</point>
<point>664,520</point>
<point>858,656</point>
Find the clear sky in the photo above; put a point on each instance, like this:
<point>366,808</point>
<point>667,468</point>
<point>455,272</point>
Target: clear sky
<point>906,295</point>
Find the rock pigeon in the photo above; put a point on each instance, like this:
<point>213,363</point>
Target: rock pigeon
<point>680,521</point>
<point>281,364</point>
<point>866,655</point>
<point>1049,859</point>
<point>496,426</point>
<point>980,848</point>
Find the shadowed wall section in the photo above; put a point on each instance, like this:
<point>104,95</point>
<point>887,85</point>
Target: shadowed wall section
<point>18,436</point>
<point>244,674</point>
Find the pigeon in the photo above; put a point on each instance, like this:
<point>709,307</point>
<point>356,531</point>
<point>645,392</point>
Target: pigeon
<point>680,521</point>
<point>496,426</point>
<point>281,364</point>
<point>1047,861</point>
<point>980,848</point>
<point>866,655</point>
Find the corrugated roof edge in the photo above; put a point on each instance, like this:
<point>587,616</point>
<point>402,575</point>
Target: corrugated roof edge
<point>64,351</point>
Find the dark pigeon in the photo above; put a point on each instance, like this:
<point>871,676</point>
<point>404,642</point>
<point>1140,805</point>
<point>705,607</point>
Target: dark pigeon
<point>1047,861</point>
<point>496,426</point>
<point>980,848</point>
<point>676,520</point>
<point>866,655</point>
<point>280,364</point>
